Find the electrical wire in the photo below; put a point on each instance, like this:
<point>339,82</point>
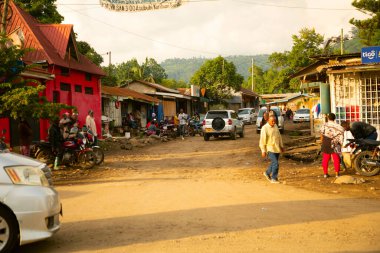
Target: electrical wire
<point>145,37</point>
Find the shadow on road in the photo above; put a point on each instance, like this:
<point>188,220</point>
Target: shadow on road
<point>122,231</point>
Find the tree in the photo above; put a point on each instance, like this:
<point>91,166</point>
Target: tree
<point>173,84</point>
<point>85,49</point>
<point>45,11</point>
<point>152,71</point>
<point>19,97</point>
<point>219,77</point>
<point>305,45</point>
<point>369,29</point>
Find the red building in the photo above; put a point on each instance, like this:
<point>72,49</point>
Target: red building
<point>70,77</point>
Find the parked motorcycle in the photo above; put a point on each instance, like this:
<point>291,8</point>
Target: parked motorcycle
<point>89,143</point>
<point>366,154</point>
<point>195,127</point>
<point>168,130</point>
<point>75,152</point>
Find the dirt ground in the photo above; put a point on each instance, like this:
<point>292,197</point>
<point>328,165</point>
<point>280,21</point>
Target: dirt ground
<point>302,170</point>
<point>197,196</point>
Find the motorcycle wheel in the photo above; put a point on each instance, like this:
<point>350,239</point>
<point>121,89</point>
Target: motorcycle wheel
<point>45,156</point>
<point>87,160</point>
<point>362,167</point>
<point>99,154</point>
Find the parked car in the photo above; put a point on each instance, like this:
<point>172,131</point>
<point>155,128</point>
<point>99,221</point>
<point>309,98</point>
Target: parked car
<point>280,118</point>
<point>29,205</point>
<point>222,122</point>
<point>301,115</point>
<point>248,114</point>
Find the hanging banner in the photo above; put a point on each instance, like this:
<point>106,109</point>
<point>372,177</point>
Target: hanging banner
<point>140,5</point>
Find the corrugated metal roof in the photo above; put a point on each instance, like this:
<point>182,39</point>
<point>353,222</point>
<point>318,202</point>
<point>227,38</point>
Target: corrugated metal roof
<point>125,92</point>
<point>157,86</point>
<point>249,92</point>
<point>48,42</point>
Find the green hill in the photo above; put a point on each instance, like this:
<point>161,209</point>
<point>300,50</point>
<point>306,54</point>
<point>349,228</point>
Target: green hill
<point>183,69</point>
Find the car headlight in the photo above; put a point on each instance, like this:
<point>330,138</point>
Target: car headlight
<point>27,175</point>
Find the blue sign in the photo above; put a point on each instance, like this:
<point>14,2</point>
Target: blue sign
<point>371,55</point>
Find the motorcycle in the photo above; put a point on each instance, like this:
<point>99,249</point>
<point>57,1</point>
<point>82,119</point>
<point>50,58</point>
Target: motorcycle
<point>195,127</point>
<point>89,143</point>
<point>74,153</point>
<point>168,130</point>
<point>366,154</point>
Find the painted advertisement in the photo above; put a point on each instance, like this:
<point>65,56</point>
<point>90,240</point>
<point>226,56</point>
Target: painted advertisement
<point>370,55</point>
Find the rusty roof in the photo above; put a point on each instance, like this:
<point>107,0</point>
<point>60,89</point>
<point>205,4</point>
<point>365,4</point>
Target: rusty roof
<point>125,92</point>
<point>249,92</point>
<point>49,42</point>
<point>157,86</point>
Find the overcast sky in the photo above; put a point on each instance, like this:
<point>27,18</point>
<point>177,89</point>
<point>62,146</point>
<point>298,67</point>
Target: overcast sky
<point>204,28</point>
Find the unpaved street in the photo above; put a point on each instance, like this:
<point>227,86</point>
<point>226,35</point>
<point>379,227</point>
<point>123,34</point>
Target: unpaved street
<point>197,196</point>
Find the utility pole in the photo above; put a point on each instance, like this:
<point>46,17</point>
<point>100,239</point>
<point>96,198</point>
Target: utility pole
<point>4,17</point>
<point>253,88</point>
<point>109,62</point>
<point>341,42</point>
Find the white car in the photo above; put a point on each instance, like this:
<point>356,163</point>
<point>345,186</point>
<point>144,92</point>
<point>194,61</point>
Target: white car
<point>280,118</point>
<point>222,122</point>
<point>248,114</point>
<point>29,206</point>
<point>301,115</point>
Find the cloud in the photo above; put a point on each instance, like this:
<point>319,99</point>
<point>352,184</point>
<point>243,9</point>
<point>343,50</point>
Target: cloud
<point>204,28</point>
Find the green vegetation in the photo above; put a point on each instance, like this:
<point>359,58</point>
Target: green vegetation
<point>218,76</point>
<point>183,69</point>
<point>45,11</point>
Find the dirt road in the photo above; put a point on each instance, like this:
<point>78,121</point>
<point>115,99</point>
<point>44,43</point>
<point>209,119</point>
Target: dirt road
<point>197,196</point>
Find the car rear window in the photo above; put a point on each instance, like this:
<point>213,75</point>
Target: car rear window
<point>262,110</point>
<point>303,111</point>
<point>216,114</point>
<point>244,111</point>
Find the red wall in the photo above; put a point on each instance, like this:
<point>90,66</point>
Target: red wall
<point>4,124</point>
<point>83,102</point>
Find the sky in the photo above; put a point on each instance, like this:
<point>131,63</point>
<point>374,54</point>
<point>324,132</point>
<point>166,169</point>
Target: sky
<point>204,28</point>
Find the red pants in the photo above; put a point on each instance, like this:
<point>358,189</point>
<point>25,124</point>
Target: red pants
<point>326,159</point>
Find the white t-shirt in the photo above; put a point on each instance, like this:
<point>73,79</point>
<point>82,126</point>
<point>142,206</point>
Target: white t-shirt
<point>182,118</point>
<point>347,135</point>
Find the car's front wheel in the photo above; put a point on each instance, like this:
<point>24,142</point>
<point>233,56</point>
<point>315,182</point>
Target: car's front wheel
<point>9,232</point>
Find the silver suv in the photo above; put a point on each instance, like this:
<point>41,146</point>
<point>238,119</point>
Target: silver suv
<point>222,122</point>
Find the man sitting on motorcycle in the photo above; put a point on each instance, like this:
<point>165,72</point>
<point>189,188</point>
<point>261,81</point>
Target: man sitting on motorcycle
<point>362,130</point>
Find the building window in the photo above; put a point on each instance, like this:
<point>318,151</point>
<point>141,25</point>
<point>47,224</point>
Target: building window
<point>89,90</point>
<point>88,77</point>
<point>78,88</point>
<point>56,96</point>
<point>64,71</point>
<point>65,87</point>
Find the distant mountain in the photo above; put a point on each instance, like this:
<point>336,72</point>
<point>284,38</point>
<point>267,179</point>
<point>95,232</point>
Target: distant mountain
<point>183,69</point>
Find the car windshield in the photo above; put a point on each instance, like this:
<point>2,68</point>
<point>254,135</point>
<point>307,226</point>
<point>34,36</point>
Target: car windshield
<point>216,114</point>
<point>244,111</point>
<point>303,111</point>
<point>275,109</point>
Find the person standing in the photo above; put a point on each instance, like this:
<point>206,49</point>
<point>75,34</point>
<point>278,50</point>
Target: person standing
<point>332,140</point>
<point>346,149</point>
<point>271,145</point>
<point>26,135</point>
<point>90,123</point>
<point>182,117</point>
<point>56,140</point>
